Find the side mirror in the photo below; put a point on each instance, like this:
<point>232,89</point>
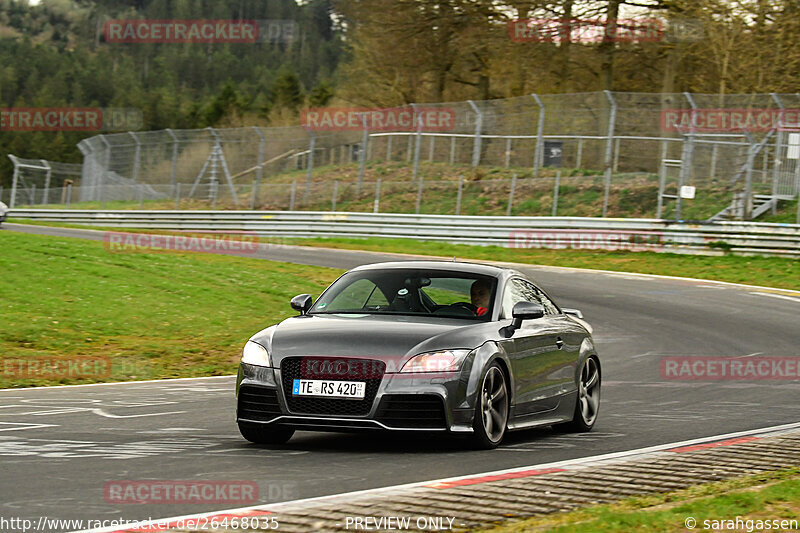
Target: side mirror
<point>302,303</point>
<point>573,312</point>
<point>525,311</point>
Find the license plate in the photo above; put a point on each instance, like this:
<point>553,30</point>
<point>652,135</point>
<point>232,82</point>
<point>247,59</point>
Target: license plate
<point>329,388</point>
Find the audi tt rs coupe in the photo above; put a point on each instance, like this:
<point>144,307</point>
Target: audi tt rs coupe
<point>452,347</point>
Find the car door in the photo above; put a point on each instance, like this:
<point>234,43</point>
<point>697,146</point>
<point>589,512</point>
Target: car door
<point>538,359</point>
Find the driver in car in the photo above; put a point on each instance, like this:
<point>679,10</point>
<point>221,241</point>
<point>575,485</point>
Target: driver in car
<point>480,292</point>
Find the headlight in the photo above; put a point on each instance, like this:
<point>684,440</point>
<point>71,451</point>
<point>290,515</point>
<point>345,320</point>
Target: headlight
<point>442,361</point>
<point>255,354</point>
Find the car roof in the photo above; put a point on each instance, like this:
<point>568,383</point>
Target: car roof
<point>458,266</point>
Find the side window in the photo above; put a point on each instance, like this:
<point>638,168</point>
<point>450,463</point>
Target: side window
<point>550,308</point>
<point>518,290</point>
<point>512,294</point>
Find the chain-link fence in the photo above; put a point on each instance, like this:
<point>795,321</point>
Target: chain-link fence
<point>710,146</point>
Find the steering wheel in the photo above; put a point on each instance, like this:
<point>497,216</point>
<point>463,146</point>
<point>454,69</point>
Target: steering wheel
<point>464,305</point>
<point>458,307</point>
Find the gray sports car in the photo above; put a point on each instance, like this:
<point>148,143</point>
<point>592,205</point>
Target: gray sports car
<point>454,347</point>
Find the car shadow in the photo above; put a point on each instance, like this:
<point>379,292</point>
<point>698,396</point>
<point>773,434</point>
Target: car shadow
<point>393,443</point>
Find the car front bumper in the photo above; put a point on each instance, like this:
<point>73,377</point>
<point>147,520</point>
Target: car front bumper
<point>401,402</point>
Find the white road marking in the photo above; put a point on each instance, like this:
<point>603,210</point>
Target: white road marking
<point>773,295</point>
<point>100,412</point>
<point>23,426</point>
<point>112,383</point>
<point>570,463</point>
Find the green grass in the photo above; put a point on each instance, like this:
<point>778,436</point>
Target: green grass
<point>776,272</point>
<point>767,496</point>
<point>766,271</point>
<point>156,315</point>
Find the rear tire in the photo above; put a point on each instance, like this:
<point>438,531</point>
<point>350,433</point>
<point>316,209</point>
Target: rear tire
<point>491,409</point>
<point>265,435</point>
<point>587,404</point>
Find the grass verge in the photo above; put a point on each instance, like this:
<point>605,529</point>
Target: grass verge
<point>765,497</point>
<point>152,315</point>
<point>776,272</point>
<point>766,271</point>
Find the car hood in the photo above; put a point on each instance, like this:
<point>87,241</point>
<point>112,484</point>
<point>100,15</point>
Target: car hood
<point>395,337</point>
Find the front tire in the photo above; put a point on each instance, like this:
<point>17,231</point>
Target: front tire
<point>265,435</point>
<point>491,409</point>
<point>588,403</point>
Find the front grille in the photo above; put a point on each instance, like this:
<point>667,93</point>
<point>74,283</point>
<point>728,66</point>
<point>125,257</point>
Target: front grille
<point>423,411</point>
<point>258,403</point>
<point>291,369</point>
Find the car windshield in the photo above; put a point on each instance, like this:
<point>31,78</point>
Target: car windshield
<point>410,292</point>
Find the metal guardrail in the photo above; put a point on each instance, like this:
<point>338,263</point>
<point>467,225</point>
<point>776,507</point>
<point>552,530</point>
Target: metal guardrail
<point>511,232</point>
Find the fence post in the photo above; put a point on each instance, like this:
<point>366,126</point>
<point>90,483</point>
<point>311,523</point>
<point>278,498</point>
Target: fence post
<point>555,193</point>
<point>662,179</point>
<point>419,194</point>
<point>377,202</point>
<point>388,148</point>
<point>616,154</point>
<point>177,195</point>
<point>260,169</point>
<point>408,149</point>
<point>713,170</point>
<point>417,141</point>
<point>136,157</point>
<point>612,118</point>
<point>580,153</point>
<point>311,144</point>
<point>452,149</point>
<point>460,192</point>
<point>174,172</point>
<point>476,146</point>
<point>106,169</point>
<point>537,155</point>
<point>69,194</point>
<point>46,192</point>
<point>777,160</point>
<point>511,194</point>
<point>686,158</point>
<point>252,195</point>
<point>508,151</point>
<point>293,195</point>
<point>335,192</point>
<point>748,179</point>
<point>363,154</point>
<point>430,149</point>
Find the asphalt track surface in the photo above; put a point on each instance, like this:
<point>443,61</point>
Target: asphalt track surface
<point>60,446</point>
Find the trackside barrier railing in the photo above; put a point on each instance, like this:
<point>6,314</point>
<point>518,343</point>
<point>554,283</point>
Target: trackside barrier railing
<point>510,232</point>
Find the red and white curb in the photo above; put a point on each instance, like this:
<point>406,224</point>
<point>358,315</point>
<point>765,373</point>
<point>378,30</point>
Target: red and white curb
<point>661,450</point>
